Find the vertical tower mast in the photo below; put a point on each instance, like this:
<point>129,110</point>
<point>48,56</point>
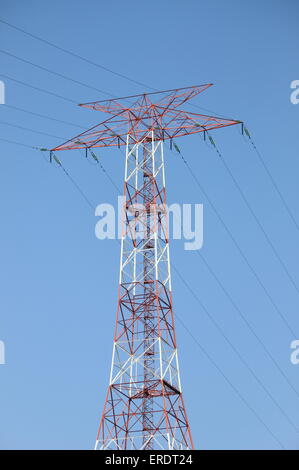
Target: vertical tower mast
<point>148,280</point>
<point>144,407</point>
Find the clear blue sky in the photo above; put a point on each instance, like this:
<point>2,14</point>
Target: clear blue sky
<point>59,283</point>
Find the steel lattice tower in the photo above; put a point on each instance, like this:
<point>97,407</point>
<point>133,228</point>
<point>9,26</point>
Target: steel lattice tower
<point>144,407</point>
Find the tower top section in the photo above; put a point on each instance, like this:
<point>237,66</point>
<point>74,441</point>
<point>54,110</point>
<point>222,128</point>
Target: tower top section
<point>144,102</point>
<point>135,116</point>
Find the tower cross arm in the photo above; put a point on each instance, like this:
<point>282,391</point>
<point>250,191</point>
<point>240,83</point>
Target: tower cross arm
<point>168,123</point>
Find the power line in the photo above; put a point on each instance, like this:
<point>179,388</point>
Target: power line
<point>73,54</point>
<point>258,222</point>
<point>243,361</point>
<point>30,130</point>
<point>238,247</point>
<point>249,326</point>
<point>20,143</point>
<point>262,161</point>
<point>75,184</point>
<point>39,89</point>
<point>38,38</point>
<point>42,116</point>
<point>268,353</point>
<point>260,225</point>
<point>103,170</point>
<point>243,317</point>
<point>56,73</point>
<point>241,397</point>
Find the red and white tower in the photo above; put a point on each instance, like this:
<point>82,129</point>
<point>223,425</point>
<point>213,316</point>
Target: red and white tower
<point>144,406</point>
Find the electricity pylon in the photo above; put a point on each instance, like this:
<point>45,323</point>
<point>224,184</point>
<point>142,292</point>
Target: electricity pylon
<point>144,406</point>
